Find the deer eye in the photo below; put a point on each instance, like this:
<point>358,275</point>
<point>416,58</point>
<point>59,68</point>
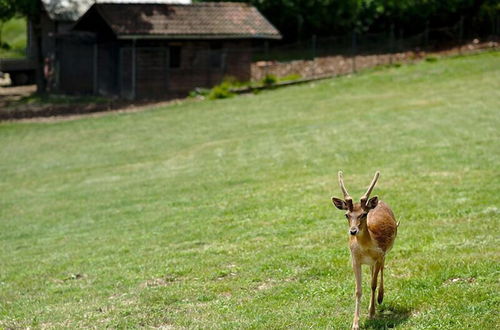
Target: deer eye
<point>362,216</point>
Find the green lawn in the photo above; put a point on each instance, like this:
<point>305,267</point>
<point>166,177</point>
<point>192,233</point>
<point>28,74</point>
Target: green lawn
<point>217,214</point>
<point>14,34</point>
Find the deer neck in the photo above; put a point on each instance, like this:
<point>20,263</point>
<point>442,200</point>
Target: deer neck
<point>363,238</point>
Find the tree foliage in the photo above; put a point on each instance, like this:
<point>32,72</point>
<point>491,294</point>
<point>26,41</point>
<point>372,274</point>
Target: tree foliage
<point>7,10</point>
<point>11,8</point>
<point>301,18</point>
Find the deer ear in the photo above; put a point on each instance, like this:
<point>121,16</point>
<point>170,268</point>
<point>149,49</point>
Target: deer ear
<point>339,203</point>
<point>372,203</point>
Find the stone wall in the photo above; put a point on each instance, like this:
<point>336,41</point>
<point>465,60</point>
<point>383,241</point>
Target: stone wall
<point>340,65</point>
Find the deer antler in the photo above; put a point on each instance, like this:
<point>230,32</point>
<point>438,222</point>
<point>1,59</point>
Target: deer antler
<point>347,197</point>
<point>365,197</point>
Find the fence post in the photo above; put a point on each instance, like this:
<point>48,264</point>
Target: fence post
<point>401,46</point>
<point>313,46</point>
<point>426,34</point>
<point>94,69</point>
<point>460,34</point>
<point>224,65</point>
<point>266,51</point>
<point>391,44</point>
<point>313,53</point>
<point>134,67</point>
<point>353,51</point>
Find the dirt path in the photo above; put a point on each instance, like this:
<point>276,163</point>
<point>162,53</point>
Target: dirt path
<point>9,95</point>
<point>14,108</point>
<point>130,108</point>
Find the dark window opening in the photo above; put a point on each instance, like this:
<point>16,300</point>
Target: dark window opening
<point>215,59</point>
<point>216,55</point>
<point>175,57</point>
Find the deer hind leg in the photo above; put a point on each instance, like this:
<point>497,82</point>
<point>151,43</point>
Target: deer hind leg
<point>375,270</point>
<point>380,296</point>
<point>357,274</point>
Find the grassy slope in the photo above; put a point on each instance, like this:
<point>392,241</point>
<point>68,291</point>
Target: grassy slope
<point>218,213</point>
<point>14,34</point>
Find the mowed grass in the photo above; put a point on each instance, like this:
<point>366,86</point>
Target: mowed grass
<point>217,214</point>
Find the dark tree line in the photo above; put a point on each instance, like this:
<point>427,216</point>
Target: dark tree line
<point>11,8</point>
<point>298,19</point>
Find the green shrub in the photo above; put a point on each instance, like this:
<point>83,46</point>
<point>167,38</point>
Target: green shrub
<point>232,81</point>
<point>431,59</point>
<point>5,46</point>
<point>269,80</point>
<point>222,91</point>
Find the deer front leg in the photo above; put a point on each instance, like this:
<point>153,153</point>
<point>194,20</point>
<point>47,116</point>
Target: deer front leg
<point>357,274</point>
<point>375,270</point>
<point>380,297</point>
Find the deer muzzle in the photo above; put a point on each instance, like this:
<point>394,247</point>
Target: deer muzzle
<point>354,231</point>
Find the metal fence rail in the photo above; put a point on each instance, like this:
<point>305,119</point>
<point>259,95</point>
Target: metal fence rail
<point>334,55</point>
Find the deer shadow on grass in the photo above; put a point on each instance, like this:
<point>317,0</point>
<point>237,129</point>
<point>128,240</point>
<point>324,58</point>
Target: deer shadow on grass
<point>388,316</point>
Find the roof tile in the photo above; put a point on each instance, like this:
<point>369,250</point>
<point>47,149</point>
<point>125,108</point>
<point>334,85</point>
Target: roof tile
<point>208,19</point>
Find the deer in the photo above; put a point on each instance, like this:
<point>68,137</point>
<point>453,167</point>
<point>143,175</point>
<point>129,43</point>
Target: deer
<point>372,231</point>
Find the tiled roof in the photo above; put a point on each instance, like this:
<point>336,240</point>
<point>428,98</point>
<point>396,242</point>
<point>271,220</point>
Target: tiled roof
<point>198,20</point>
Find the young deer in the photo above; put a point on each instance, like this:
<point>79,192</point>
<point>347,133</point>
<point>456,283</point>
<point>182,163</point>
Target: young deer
<point>373,230</point>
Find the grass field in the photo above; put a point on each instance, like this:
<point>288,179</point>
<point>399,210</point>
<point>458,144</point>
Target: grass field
<point>14,34</point>
<point>217,214</point>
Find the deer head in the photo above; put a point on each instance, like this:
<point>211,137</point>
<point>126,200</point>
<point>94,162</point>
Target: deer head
<point>356,212</point>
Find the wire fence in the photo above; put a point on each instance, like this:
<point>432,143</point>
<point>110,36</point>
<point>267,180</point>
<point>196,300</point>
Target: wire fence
<point>349,53</point>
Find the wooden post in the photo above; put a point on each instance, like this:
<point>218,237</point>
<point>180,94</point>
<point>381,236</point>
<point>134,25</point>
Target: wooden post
<point>95,67</point>
<point>313,53</point>
<point>401,46</point>
<point>36,20</point>
<point>55,68</point>
<point>120,71</point>
<point>225,52</point>
<point>266,50</point>
<point>391,44</point>
<point>426,34</point>
<point>133,68</point>
<point>166,63</point>
<point>353,51</point>
<point>460,34</point>
<point>29,38</point>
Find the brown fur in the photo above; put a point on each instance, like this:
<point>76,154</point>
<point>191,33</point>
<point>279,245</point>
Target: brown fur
<point>373,229</point>
<point>377,231</point>
<point>382,226</point>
